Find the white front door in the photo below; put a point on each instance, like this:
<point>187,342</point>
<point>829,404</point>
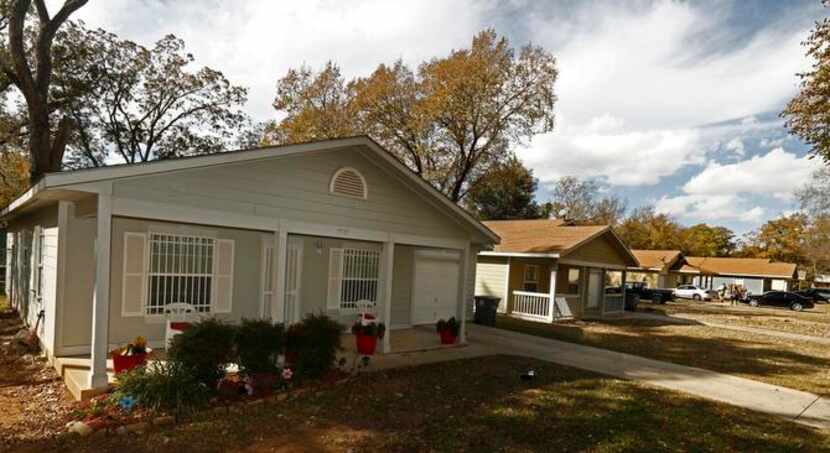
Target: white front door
<point>435,289</point>
<point>594,289</point>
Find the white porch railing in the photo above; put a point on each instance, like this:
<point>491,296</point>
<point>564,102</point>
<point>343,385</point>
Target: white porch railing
<point>531,306</point>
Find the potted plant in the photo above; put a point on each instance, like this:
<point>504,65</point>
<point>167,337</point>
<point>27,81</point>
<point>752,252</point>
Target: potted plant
<point>367,333</point>
<point>448,330</point>
<point>131,356</point>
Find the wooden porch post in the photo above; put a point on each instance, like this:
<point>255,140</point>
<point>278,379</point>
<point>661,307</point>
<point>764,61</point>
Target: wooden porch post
<point>100,296</point>
<point>281,256</point>
<point>387,271</point>
<point>552,291</point>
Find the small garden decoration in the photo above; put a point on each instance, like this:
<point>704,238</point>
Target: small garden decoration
<point>131,356</point>
<point>448,330</point>
<point>367,332</point>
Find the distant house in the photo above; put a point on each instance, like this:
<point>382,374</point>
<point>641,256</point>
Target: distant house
<point>539,261</point>
<point>96,256</point>
<point>755,274</point>
<point>658,268</point>
<point>670,268</point>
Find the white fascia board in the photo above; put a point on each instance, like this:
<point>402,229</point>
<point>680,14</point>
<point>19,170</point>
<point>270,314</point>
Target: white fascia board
<point>520,254</point>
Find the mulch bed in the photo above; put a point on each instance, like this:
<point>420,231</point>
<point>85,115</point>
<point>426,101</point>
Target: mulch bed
<point>34,403</point>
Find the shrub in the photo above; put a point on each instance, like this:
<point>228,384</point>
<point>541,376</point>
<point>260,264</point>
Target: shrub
<point>164,386</point>
<point>372,329</point>
<point>258,342</point>
<point>205,350</point>
<point>451,324</point>
<point>315,341</point>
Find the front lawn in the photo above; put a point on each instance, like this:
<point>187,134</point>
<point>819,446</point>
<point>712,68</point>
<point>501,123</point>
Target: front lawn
<point>474,405</point>
<point>789,363</point>
<point>814,322</point>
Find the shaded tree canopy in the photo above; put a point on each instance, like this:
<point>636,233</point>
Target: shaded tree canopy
<point>580,202</point>
<point>808,114</point>
<point>814,195</point>
<point>706,240</point>
<point>505,192</point>
<point>26,62</point>
<point>14,175</point>
<point>147,104</point>
<point>781,239</point>
<point>646,229</point>
<point>450,120</point>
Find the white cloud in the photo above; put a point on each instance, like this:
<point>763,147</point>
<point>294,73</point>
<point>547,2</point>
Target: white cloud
<point>710,208</point>
<point>621,158</point>
<point>255,42</point>
<point>736,145</point>
<point>777,173</point>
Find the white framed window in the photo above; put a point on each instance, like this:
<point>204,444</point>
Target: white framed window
<point>349,182</point>
<point>180,269</point>
<point>573,280</point>
<point>353,277</point>
<point>531,278</point>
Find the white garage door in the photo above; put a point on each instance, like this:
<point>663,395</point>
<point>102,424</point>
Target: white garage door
<point>435,287</point>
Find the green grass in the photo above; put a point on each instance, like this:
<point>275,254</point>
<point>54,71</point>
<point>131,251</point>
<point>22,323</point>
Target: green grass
<point>475,405</point>
<point>789,363</point>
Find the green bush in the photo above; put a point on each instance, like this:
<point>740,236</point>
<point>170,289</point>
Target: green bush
<point>315,342</point>
<point>166,386</point>
<point>258,342</point>
<point>205,350</point>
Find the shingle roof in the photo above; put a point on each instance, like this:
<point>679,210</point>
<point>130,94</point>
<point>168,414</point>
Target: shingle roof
<point>651,259</point>
<point>541,236</point>
<point>738,266</point>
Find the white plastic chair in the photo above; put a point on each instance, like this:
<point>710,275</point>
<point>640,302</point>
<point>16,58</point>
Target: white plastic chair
<point>177,312</point>
<point>366,307</point>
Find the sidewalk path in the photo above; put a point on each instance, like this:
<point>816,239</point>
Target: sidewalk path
<point>795,405</point>
<point>680,319</point>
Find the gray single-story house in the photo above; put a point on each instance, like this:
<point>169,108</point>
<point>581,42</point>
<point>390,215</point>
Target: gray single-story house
<point>276,233</point>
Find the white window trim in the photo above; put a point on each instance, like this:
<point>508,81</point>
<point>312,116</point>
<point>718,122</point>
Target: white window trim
<point>342,170</point>
<point>39,239</point>
<point>211,304</point>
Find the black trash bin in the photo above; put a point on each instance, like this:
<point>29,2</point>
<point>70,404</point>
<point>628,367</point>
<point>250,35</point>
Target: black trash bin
<point>485,310</point>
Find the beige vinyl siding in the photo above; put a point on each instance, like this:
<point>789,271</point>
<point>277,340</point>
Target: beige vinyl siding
<point>47,219</point>
<point>599,250</point>
<point>246,277</point>
<point>491,278</point>
<point>297,188</point>
<point>402,285</point>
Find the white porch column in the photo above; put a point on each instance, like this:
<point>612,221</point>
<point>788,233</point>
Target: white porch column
<point>100,298</point>
<point>387,272</point>
<point>280,257</point>
<point>462,293</point>
<point>552,291</point>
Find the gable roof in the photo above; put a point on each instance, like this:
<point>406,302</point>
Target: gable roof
<point>55,182</point>
<point>750,267</point>
<point>657,259</point>
<point>548,237</point>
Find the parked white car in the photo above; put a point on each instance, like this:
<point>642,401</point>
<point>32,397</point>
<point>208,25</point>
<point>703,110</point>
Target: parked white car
<point>692,292</point>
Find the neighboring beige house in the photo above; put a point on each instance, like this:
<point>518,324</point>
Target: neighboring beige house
<point>542,260</point>
<point>276,233</point>
<point>658,268</point>
<point>758,275</point>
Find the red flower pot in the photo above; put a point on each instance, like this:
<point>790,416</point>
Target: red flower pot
<point>264,383</point>
<point>366,344</point>
<point>123,363</point>
<point>447,337</point>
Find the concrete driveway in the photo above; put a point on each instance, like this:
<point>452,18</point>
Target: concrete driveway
<point>792,404</point>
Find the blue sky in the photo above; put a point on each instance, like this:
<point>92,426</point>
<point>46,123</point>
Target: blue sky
<point>673,104</point>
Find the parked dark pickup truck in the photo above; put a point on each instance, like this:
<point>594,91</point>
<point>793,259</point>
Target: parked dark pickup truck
<point>656,295</point>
